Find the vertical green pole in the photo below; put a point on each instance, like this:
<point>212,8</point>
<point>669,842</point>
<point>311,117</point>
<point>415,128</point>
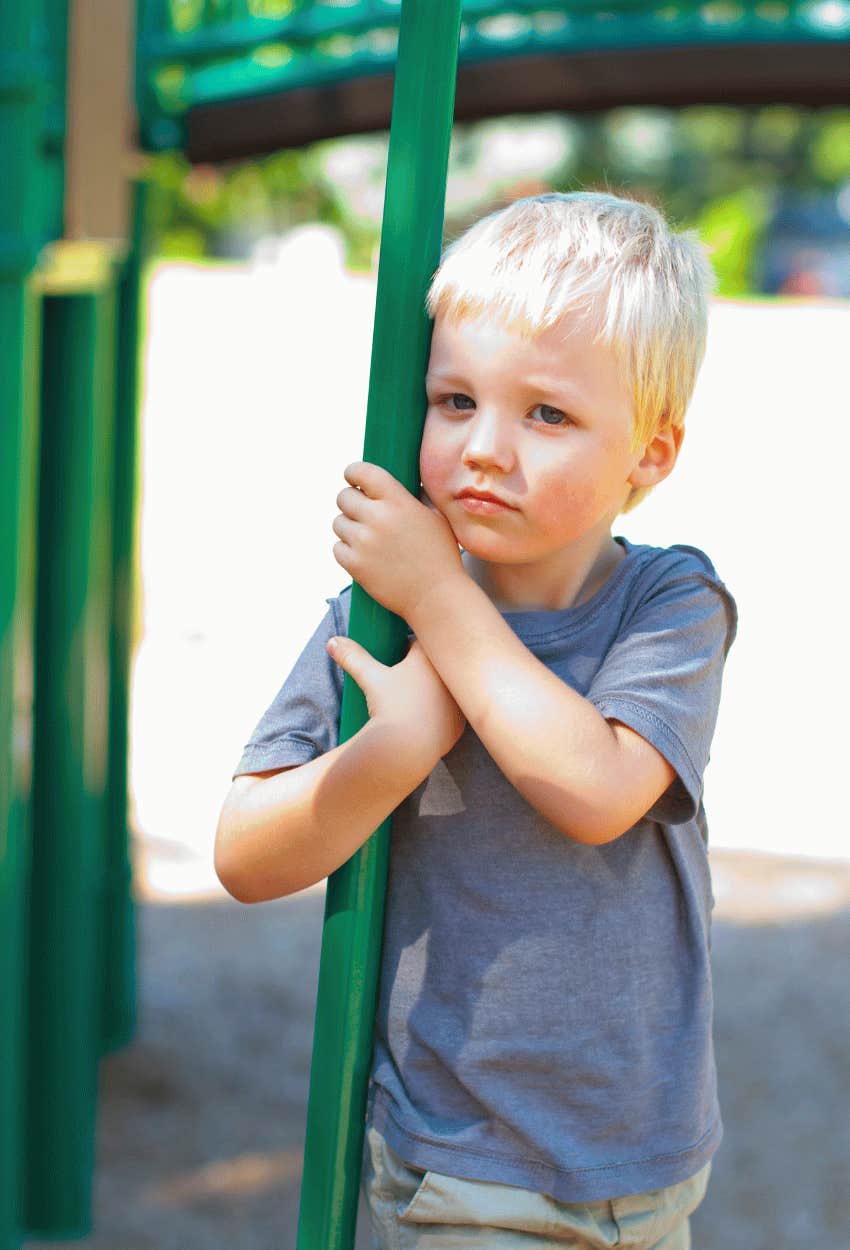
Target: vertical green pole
<point>55,35</point>
<point>119,970</point>
<point>22,85</point>
<point>420,133</point>
<point>71,709</point>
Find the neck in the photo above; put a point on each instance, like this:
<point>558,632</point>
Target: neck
<point>566,580</point>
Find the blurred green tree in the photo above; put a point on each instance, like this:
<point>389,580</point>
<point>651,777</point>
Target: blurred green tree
<point>720,170</point>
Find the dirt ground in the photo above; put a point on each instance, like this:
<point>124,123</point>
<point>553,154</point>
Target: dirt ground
<point>201,1118</point>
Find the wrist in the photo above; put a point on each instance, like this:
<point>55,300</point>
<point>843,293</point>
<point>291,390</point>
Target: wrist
<point>402,748</point>
<point>431,604</point>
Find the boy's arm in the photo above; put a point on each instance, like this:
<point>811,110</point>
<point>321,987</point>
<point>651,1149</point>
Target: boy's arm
<point>590,778</point>
<point>280,833</point>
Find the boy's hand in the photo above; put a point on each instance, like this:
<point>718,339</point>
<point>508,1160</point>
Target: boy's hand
<point>396,547</point>
<point>409,697</point>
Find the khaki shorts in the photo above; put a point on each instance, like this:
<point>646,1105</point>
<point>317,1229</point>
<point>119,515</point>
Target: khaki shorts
<point>416,1210</point>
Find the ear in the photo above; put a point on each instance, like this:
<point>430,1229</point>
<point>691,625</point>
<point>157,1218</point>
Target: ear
<point>658,457</point>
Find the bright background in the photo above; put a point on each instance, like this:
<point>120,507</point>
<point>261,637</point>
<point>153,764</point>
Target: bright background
<point>255,397</point>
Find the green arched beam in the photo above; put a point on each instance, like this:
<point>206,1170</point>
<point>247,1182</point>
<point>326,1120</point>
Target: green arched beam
<point>219,85</point>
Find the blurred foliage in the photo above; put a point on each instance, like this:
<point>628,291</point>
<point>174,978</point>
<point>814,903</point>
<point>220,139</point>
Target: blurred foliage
<point>732,226</point>
<point>207,211</point>
<point>720,170</point>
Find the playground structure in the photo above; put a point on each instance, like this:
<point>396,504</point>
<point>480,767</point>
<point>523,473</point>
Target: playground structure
<point>218,82</point>
<point>221,83</point>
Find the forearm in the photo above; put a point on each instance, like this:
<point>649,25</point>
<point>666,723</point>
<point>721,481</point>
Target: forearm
<point>282,833</point>
<point>553,745</point>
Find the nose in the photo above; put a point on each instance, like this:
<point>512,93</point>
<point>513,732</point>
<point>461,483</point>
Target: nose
<point>488,441</point>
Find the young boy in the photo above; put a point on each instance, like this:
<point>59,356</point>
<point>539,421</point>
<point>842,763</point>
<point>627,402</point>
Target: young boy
<point>543,1071</point>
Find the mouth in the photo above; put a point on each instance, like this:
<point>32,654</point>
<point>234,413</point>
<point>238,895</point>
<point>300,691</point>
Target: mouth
<point>482,502</point>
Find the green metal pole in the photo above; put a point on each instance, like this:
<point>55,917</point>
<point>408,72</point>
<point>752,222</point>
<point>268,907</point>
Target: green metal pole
<point>420,133</point>
<point>55,34</point>
<point>73,609</point>
<point>22,85</point>
<point>119,970</point>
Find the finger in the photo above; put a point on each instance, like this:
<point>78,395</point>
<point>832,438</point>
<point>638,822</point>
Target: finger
<point>345,528</point>
<point>371,478</point>
<point>353,502</point>
<point>355,659</point>
<point>354,473</point>
<point>342,555</point>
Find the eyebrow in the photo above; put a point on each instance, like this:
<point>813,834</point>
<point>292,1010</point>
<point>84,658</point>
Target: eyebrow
<point>570,395</point>
<point>443,376</point>
<point>541,382</point>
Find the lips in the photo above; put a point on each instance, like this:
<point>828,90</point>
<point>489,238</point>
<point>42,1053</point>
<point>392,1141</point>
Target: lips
<point>483,494</point>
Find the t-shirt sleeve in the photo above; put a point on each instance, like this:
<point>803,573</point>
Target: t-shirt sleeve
<point>662,677</point>
<point>303,719</point>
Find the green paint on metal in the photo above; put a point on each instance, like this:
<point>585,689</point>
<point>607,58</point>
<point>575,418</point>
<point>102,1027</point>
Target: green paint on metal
<point>23,74</point>
<point>198,55</point>
<point>18,455</point>
<point>69,778</point>
<point>118,996</point>
<point>55,48</point>
<point>423,106</point>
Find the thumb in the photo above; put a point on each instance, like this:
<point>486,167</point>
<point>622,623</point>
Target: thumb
<point>349,655</point>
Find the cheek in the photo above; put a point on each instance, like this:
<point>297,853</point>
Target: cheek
<point>559,481</point>
<point>566,497</point>
<point>435,463</point>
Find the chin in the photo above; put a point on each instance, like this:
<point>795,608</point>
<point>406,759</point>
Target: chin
<point>483,547</point>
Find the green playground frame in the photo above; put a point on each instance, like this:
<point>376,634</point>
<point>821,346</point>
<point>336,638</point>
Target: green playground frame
<point>240,78</point>
<point>219,80</point>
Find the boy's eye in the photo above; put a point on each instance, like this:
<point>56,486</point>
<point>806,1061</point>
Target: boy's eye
<point>460,402</point>
<point>550,415</point>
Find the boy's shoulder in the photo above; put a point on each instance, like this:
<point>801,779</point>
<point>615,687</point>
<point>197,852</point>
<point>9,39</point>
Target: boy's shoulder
<point>655,570</point>
<point>679,559</point>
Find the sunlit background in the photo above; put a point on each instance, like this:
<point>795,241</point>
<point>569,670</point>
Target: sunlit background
<point>260,300</point>
<point>260,320</point>
<point>156,1035</point>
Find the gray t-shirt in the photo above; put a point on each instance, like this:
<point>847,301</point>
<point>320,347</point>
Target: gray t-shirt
<point>545,1007</point>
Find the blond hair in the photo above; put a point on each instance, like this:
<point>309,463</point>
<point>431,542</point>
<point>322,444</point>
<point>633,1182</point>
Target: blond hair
<point>600,255</point>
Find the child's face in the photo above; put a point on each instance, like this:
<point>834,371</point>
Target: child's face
<point>544,423</point>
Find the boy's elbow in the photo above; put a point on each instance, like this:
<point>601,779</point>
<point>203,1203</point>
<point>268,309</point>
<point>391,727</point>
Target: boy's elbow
<point>231,883</point>
<point>609,822</point>
<point>244,876</point>
<point>595,835</point>
<point>599,820</point>
<point>227,873</point>
<point>227,864</point>
<point>628,788</point>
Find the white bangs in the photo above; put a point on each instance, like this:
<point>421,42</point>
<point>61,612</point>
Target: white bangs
<point>596,255</point>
